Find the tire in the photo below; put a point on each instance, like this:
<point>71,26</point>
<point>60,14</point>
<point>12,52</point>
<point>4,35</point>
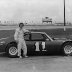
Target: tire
<point>12,50</point>
<point>67,49</point>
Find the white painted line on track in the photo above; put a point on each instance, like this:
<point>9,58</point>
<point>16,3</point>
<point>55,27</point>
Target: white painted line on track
<point>4,38</point>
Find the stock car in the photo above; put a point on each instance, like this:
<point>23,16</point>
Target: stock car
<point>37,41</point>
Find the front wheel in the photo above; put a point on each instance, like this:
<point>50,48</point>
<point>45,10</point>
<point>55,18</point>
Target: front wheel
<point>12,50</point>
<point>67,49</point>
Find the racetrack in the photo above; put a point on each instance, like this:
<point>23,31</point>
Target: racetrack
<point>34,27</point>
<point>55,63</point>
<point>53,31</point>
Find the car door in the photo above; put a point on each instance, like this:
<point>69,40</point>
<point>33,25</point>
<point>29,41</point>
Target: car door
<point>38,41</point>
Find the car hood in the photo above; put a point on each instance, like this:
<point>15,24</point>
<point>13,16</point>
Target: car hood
<point>61,39</point>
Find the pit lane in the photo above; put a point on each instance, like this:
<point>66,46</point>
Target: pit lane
<point>50,63</point>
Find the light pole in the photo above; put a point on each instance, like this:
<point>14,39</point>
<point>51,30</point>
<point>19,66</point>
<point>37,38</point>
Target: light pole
<point>64,17</point>
<point>64,13</point>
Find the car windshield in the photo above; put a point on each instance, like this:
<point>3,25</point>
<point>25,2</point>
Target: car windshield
<point>47,36</point>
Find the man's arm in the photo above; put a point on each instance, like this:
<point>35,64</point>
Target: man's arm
<point>16,35</point>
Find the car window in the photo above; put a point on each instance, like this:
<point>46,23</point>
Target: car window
<point>37,36</point>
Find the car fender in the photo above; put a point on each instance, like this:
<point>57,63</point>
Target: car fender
<point>65,43</point>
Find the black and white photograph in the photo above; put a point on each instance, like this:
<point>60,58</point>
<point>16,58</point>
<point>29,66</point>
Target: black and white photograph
<point>35,35</point>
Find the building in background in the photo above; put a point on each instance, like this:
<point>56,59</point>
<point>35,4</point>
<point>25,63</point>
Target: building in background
<point>47,20</point>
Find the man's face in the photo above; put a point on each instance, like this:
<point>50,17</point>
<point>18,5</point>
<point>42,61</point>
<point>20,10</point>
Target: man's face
<point>21,26</point>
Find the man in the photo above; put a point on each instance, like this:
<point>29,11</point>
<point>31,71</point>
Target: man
<point>19,37</point>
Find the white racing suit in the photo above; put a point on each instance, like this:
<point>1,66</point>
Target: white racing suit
<point>19,37</point>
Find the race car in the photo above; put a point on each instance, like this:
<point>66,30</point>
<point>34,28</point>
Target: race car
<point>37,41</point>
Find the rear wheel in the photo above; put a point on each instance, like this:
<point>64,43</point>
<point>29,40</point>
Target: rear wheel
<point>11,50</point>
<point>67,49</point>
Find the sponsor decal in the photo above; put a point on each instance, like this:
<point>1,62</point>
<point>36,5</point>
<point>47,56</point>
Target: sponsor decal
<point>37,46</point>
<point>43,45</point>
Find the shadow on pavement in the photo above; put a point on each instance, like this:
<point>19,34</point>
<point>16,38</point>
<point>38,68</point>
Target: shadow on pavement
<point>4,55</point>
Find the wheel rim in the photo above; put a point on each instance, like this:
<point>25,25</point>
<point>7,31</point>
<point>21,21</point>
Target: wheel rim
<point>12,50</point>
<point>68,49</point>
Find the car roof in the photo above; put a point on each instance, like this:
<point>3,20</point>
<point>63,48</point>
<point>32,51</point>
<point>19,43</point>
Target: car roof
<point>39,32</point>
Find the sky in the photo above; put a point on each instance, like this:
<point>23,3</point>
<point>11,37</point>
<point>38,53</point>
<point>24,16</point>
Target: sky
<point>34,10</point>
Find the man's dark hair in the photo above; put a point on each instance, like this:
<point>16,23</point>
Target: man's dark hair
<point>21,24</point>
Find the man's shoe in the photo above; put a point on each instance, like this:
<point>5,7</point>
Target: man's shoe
<point>26,56</point>
<point>20,56</point>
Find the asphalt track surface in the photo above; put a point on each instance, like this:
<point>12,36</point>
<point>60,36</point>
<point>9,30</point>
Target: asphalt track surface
<point>34,27</point>
<point>53,31</point>
<point>36,64</point>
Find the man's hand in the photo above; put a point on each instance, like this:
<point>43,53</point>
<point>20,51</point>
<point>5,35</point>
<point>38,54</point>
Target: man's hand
<point>16,40</point>
<point>26,33</point>
<point>29,32</point>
